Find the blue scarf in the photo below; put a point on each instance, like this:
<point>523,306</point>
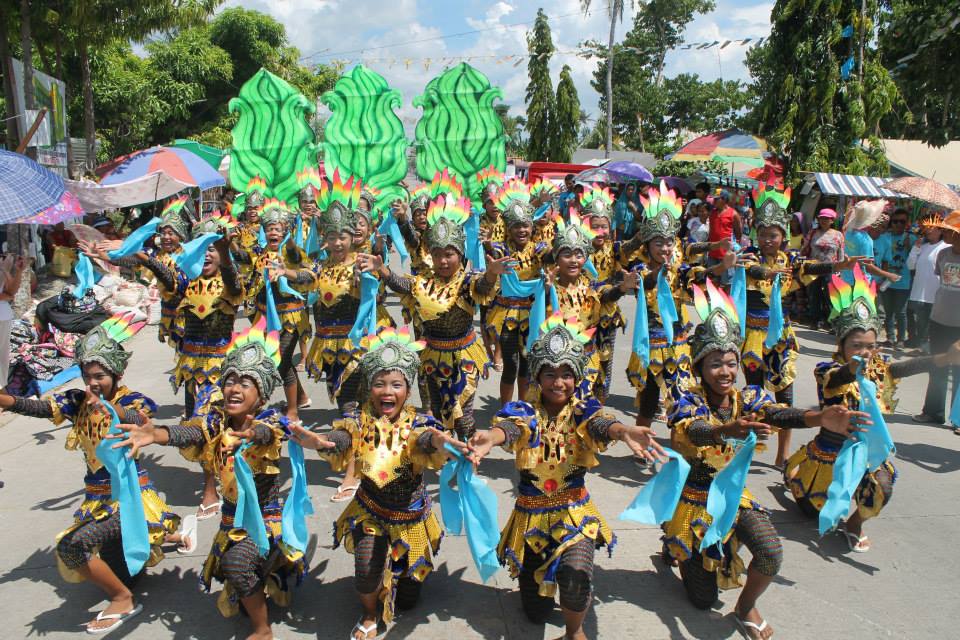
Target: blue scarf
<point>775,322</point>
<point>474,248</point>
<point>723,500</point>
<point>955,410</point>
<point>738,292</point>
<point>313,241</point>
<point>658,499</point>
<point>366,322</point>
<point>134,241</point>
<point>261,237</point>
<point>190,259</point>
<point>85,276</point>
<point>273,318</point>
<point>591,269</point>
<point>513,287</point>
<point>298,505</point>
<point>391,229</point>
<point>668,308</point>
<point>125,490</point>
<point>248,516</point>
<point>848,471</point>
<point>472,505</point>
<point>641,328</point>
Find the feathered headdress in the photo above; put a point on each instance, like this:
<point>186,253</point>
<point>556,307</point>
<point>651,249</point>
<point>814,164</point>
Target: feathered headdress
<point>562,341</point>
<point>446,218</point>
<point>597,201</point>
<point>254,353</point>
<point>719,329</point>
<point>274,212</point>
<point>661,214</point>
<point>391,350</point>
<point>573,235</point>
<point>853,306</point>
<point>490,180</point>
<point>443,184</point>
<point>420,198</point>
<point>771,208</point>
<point>172,216</point>
<point>543,189</point>
<point>513,202</point>
<point>213,223</point>
<point>338,202</point>
<point>102,343</point>
<point>310,183</point>
<point>255,192</point>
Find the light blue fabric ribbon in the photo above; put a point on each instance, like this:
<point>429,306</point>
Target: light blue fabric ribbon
<point>367,313</point>
<point>658,499</point>
<point>190,259</point>
<point>541,211</point>
<point>641,328</point>
<point>877,437</point>
<point>125,490</point>
<point>261,237</point>
<point>472,506</point>
<point>134,241</point>
<point>248,516</point>
<point>723,500</point>
<point>298,505</point>
<point>775,322</point>
<point>591,269</point>
<point>313,240</point>
<point>738,292</point>
<point>667,306</point>
<point>474,248</point>
<point>298,238</point>
<point>273,317</point>
<point>391,229</point>
<point>85,276</point>
<point>849,468</point>
<point>513,287</point>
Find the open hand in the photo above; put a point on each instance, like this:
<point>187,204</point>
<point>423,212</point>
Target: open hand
<point>839,419</point>
<point>440,438</point>
<point>641,443</point>
<point>481,444</point>
<point>308,439</point>
<point>500,266</point>
<point>369,263</point>
<point>742,427</point>
<point>630,282</point>
<point>135,436</point>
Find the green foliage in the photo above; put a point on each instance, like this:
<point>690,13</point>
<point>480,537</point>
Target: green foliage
<point>803,107</point>
<point>460,128</point>
<point>539,96</point>
<point>923,56</point>
<point>684,169</point>
<point>513,128</point>
<point>271,139</point>
<point>566,119</point>
<point>364,137</point>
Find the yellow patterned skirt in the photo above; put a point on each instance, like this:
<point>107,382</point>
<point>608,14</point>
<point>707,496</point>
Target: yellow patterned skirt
<point>332,356</point>
<point>671,366</point>
<point>809,472</point>
<point>455,366</point>
<point>778,364</point>
<point>287,565</point>
<point>198,362</point>
<point>549,525</point>
<point>413,536</point>
<point>682,536</point>
<point>97,505</point>
<point>507,314</point>
<point>294,317</point>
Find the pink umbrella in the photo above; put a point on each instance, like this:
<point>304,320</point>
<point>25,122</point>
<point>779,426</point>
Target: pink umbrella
<point>65,208</point>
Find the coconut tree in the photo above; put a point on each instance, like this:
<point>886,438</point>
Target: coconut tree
<point>615,12</point>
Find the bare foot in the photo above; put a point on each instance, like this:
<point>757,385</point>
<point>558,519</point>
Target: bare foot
<point>757,629</point>
<point>365,629</point>
<point>121,604</point>
<point>261,635</point>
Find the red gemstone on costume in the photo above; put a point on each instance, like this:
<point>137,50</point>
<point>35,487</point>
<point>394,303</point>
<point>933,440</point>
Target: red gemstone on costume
<point>328,296</point>
<point>383,475</point>
<point>550,485</point>
<point>201,308</point>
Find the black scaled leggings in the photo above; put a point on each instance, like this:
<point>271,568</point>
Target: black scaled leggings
<point>514,359</point>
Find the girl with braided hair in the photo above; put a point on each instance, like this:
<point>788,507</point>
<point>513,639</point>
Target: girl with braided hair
<point>389,526</point>
<point>550,538</point>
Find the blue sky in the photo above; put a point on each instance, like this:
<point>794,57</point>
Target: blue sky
<point>326,30</point>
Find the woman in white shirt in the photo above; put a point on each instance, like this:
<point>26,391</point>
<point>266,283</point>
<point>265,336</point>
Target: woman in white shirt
<point>11,270</point>
<point>922,260</point>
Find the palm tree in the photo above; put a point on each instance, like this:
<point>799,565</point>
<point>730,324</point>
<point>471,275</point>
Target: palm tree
<point>615,11</point>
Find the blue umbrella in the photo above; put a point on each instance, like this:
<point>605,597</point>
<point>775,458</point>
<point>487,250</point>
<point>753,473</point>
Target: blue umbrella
<point>624,170</point>
<point>26,188</point>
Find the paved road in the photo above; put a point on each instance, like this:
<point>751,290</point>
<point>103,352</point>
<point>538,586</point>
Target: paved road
<point>904,588</point>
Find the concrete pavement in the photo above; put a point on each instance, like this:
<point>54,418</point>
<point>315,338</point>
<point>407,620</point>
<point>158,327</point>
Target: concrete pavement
<point>903,588</point>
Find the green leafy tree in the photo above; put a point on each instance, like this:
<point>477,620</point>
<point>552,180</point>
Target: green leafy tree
<point>513,128</point>
<point>539,96</point>
<point>615,12</point>
<point>803,106</point>
<point>922,53</point>
<point>666,20</point>
<point>566,119</point>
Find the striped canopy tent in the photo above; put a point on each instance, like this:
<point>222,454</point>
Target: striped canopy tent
<point>731,147</point>
<point>841,184</point>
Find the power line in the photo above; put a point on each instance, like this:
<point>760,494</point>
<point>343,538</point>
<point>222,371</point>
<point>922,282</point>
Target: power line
<point>322,53</point>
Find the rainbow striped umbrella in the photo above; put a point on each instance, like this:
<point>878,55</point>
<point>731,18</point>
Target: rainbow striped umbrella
<point>731,146</point>
<point>180,164</point>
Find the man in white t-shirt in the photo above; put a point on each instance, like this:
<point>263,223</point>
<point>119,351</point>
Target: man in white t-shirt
<point>922,261</point>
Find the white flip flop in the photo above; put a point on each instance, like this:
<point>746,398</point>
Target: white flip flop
<point>746,626</point>
<point>188,529</point>
<point>365,630</point>
<point>119,619</point>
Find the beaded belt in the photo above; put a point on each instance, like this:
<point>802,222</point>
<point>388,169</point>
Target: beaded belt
<point>194,349</point>
<point>557,500</point>
<point>283,307</point>
<point>101,488</point>
<point>452,344</point>
<point>816,452</point>
<point>696,496</point>
<point>757,322</point>
<point>333,331</point>
<point>390,514</point>
<point>514,303</point>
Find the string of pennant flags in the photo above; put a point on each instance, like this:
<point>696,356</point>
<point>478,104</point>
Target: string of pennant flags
<point>517,59</point>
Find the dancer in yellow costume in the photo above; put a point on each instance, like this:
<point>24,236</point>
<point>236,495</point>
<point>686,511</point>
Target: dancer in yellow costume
<point>233,422</point>
<point>554,529</point>
<point>90,549</point>
<point>705,420</point>
<point>444,302</point>
<point>247,236</point>
<point>809,471</point>
<point>389,527</point>
<point>174,230</point>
